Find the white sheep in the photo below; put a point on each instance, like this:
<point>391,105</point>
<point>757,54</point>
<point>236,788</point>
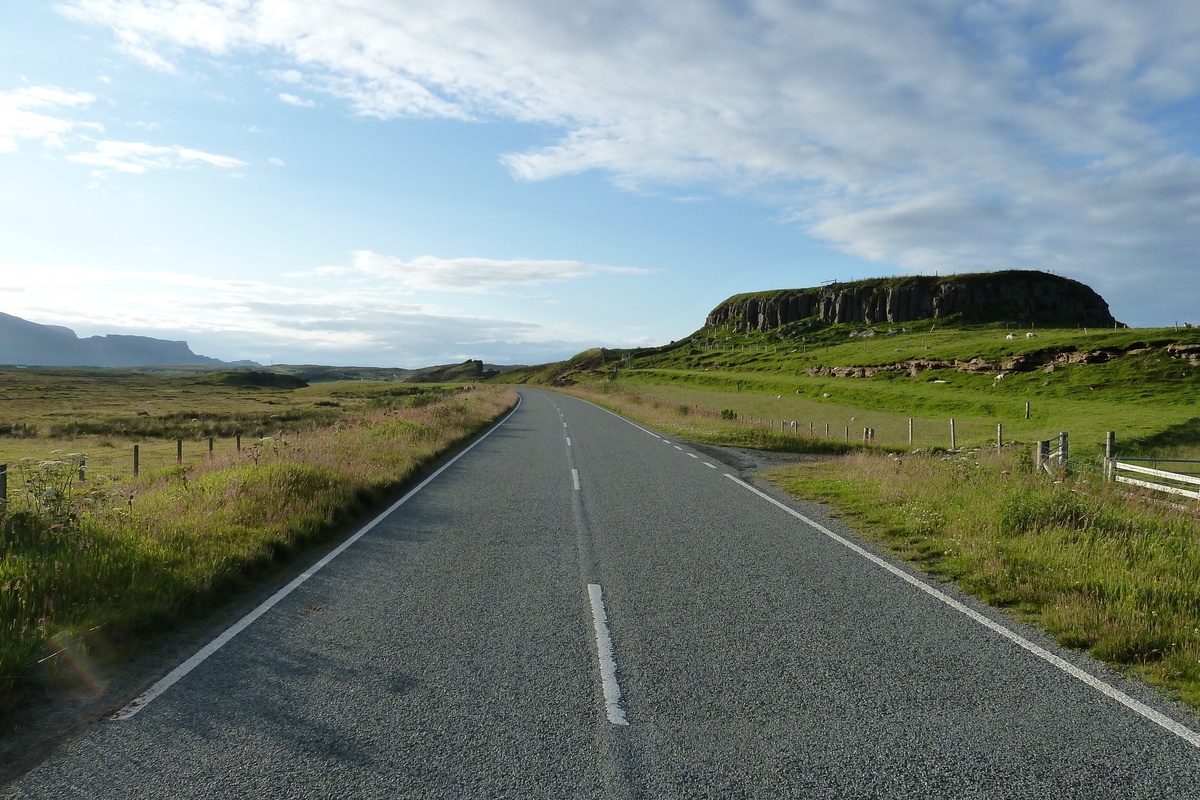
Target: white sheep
<point>1031,335</point>
<point>1010,336</point>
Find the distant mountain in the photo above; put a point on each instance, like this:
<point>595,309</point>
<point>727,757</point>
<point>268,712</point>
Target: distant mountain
<point>469,370</point>
<point>33,344</point>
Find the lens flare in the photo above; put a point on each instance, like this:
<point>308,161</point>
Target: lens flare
<point>72,662</point>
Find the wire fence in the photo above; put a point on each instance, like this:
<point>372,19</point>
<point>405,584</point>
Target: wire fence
<point>873,428</point>
<point>110,463</point>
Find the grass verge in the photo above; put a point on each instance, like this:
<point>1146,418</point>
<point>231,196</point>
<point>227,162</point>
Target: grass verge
<point>86,576</point>
<point>706,425</point>
<point>1095,565</point>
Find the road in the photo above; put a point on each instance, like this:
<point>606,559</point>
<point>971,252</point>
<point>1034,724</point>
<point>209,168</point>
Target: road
<point>579,608</point>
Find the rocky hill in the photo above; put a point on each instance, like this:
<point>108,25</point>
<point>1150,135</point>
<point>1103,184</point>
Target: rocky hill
<point>1018,296</point>
<point>29,343</point>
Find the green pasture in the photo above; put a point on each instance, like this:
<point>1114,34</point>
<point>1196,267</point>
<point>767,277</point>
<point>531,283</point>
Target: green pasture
<point>1149,398</point>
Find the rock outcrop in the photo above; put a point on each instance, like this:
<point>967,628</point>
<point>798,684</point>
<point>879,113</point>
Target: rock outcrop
<point>1047,360</point>
<point>1012,296</point>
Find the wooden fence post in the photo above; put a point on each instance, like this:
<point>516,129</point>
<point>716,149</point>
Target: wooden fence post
<point>953,439</point>
<point>1026,409</point>
<point>179,451</point>
<point>135,461</point>
<point>910,431</point>
<point>1064,450</point>
<point>999,435</point>
<point>238,439</point>
<point>1110,450</point>
<point>3,485</point>
<point>210,447</point>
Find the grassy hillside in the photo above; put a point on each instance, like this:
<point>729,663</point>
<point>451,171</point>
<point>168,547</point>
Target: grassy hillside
<point>1134,381</point>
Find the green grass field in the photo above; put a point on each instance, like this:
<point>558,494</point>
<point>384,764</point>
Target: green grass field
<point>1149,397</point>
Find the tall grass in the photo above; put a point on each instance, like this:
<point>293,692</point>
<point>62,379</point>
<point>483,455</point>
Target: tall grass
<point>1096,565</point>
<point>706,425</point>
<point>125,560</point>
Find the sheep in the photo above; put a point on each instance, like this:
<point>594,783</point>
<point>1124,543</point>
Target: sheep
<point>1031,335</point>
<point>1010,336</point>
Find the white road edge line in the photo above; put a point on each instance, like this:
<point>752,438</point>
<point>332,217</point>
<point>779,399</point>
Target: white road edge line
<point>1188,735</point>
<point>608,665</point>
<point>627,421</point>
<point>175,675</point>
<point>575,478</point>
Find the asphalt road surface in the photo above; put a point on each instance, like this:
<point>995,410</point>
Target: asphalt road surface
<point>578,608</point>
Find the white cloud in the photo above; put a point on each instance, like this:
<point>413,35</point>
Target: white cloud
<point>948,134</point>
<point>139,157</point>
<point>474,275</point>
<point>293,100</point>
<point>296,320</point>
<point>22,115</point>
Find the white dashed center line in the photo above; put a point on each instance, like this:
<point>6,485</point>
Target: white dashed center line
<point>608,664</point>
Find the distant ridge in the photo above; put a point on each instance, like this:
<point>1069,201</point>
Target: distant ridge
<point>1026,296</point>
<point>25,343</point>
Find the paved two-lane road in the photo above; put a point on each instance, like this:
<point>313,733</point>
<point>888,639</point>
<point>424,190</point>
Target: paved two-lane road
<point>579,608</point>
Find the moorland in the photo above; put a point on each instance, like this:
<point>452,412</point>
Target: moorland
<point>239,472</point>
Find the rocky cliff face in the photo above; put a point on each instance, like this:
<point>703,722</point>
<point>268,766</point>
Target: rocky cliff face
<point>1013,296</point>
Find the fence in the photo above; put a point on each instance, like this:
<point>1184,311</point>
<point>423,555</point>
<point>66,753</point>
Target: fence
<point>1159,480</point>
<point>881,427</point>
<point>931,432</point>
<point>125,463</point>
<point>1053,455</point>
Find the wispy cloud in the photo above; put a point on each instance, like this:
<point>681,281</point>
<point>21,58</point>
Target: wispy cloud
<point>943,135</point>
<point>295,319</point>
<point>23,115</point>
<point>473,275</point>
<point>293,100</point>
<point>35,113</point>
<point>139,157</point>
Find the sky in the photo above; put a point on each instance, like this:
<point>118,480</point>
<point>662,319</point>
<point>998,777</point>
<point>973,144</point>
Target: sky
<point>402,183</point>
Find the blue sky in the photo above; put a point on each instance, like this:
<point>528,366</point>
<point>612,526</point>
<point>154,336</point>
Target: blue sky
<point>404,183</point>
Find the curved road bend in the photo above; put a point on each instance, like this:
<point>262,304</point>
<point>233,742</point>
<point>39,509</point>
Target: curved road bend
<point>578,608</point>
